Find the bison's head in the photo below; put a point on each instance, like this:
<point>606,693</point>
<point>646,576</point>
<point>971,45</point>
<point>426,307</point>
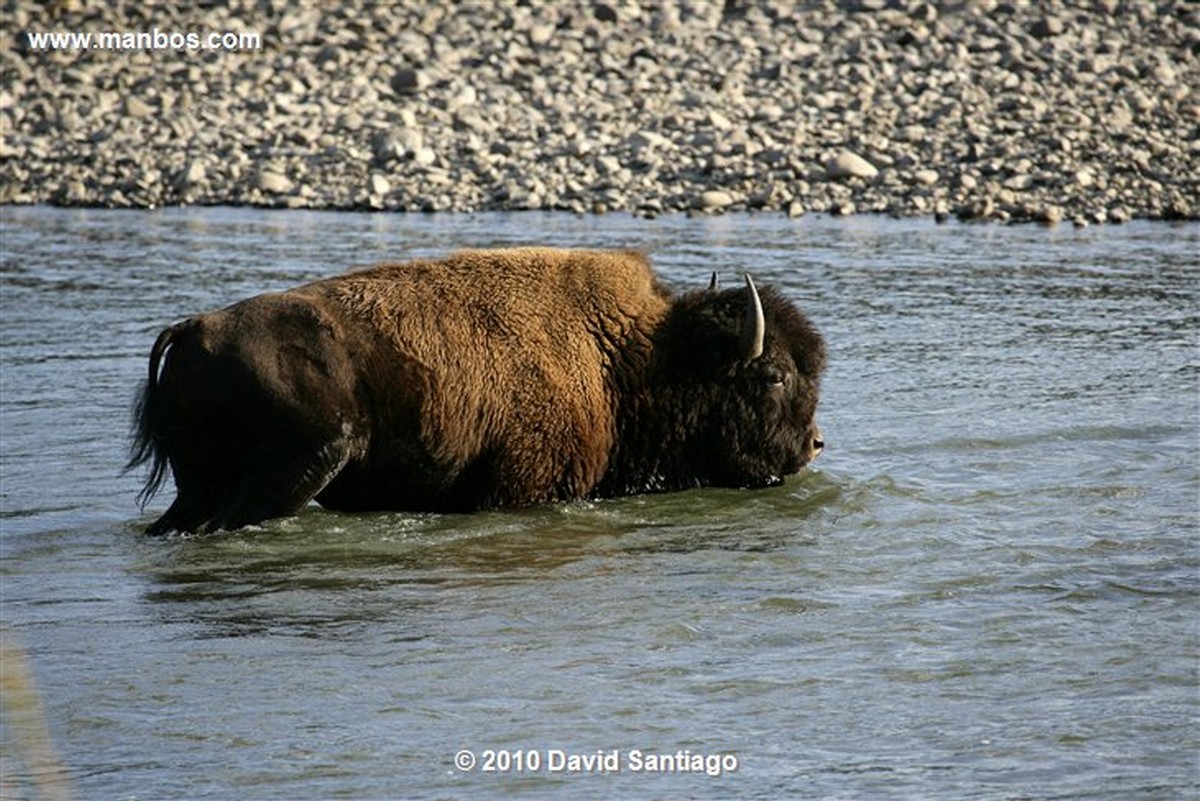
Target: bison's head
<point>744,370</point>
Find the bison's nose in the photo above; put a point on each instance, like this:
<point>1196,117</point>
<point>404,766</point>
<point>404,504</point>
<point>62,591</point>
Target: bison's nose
<point>816,443</point>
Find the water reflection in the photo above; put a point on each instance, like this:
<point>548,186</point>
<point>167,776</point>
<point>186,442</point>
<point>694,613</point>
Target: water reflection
<point>355,568</point>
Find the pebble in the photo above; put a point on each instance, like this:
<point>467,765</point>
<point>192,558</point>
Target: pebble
<point>540,35</point>
<point>988,110</point>
<point>380,185</point>
<point>926,177</point>
<point>1047,26</point>
<point>408,81</point>
<point>1050,215</point>
<point>1018,183</point>
<point>849,165</point>
<point>194,174</point>
<point>275,183</point>
<point>137,108</point>
<point>715,199</point>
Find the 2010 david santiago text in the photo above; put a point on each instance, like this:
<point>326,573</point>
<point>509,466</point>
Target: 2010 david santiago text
<point>557,760</point>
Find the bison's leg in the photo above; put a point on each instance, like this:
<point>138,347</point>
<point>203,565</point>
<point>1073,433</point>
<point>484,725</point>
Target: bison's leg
<point>278,485</point>
<point>189,512</point>
<point>242,450</point>
<point>265,482</point>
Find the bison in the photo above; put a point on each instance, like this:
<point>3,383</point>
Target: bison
<point>491,378</point>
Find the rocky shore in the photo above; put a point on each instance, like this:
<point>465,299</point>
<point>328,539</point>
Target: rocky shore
<point>1085,111</point>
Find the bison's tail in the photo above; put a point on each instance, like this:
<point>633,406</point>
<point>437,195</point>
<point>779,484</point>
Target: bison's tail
<point>147,442</point>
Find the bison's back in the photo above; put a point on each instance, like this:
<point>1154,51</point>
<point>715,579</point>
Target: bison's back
<point>536,294</point>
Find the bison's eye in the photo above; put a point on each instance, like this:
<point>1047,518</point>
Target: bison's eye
<point>773,377</point>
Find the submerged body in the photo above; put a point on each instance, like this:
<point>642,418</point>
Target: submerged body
<point>487,379</point>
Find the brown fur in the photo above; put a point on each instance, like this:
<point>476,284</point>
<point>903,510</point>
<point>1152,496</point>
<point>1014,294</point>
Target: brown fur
<point>489,378</point>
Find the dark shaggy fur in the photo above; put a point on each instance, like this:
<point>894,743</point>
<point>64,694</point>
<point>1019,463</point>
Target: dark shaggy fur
<point>486,379</point>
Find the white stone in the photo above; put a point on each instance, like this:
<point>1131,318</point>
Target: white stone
<point>275,183</point>
<point>715,199</point>
<point>926,177</point>
<point>850,165</point>
<point>1019,183</point>
<point>195,173</point>
<point>719,121</point>
<point>380,185</point>
<point>136,107</point>
<point>643,140</point>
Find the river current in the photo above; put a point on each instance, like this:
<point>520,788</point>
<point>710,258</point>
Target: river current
<point>986,588</point>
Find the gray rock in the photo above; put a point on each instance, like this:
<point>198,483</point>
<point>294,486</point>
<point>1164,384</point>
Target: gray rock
<point>1050,215</point>
<point>1048,26</point>
<point>719,120</point>
<point>926,177</point>
<point>647,140</point>
<point>714,199</point>
<point>137,108</point>
<point>604,12</point>
<point>385,148</point>
<point>540,35</point>
<point>849,165</point>
<point>1062,110</point>
<point>275,183</point>
<point>608,165</point>
<point>379,184</point>
<point>1119,117</point>
<point>1165,74</point>
<point>193,175</point>
<point>408,81</point>
<point>1019,183</point>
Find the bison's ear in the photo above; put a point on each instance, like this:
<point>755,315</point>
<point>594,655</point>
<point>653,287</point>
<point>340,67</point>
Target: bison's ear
<point>713,283</point>
<point>755,328</point>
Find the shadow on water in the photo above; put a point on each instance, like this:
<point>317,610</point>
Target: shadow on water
<point>325,570</point>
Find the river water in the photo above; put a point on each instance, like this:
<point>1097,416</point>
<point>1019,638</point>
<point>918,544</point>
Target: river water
<point>987,588</point>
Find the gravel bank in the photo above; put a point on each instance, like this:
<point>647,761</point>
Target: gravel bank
<point>1077,111</point>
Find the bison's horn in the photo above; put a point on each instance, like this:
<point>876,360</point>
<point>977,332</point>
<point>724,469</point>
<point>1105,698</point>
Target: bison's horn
<point>712,284</point>
<point>756,325</point>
